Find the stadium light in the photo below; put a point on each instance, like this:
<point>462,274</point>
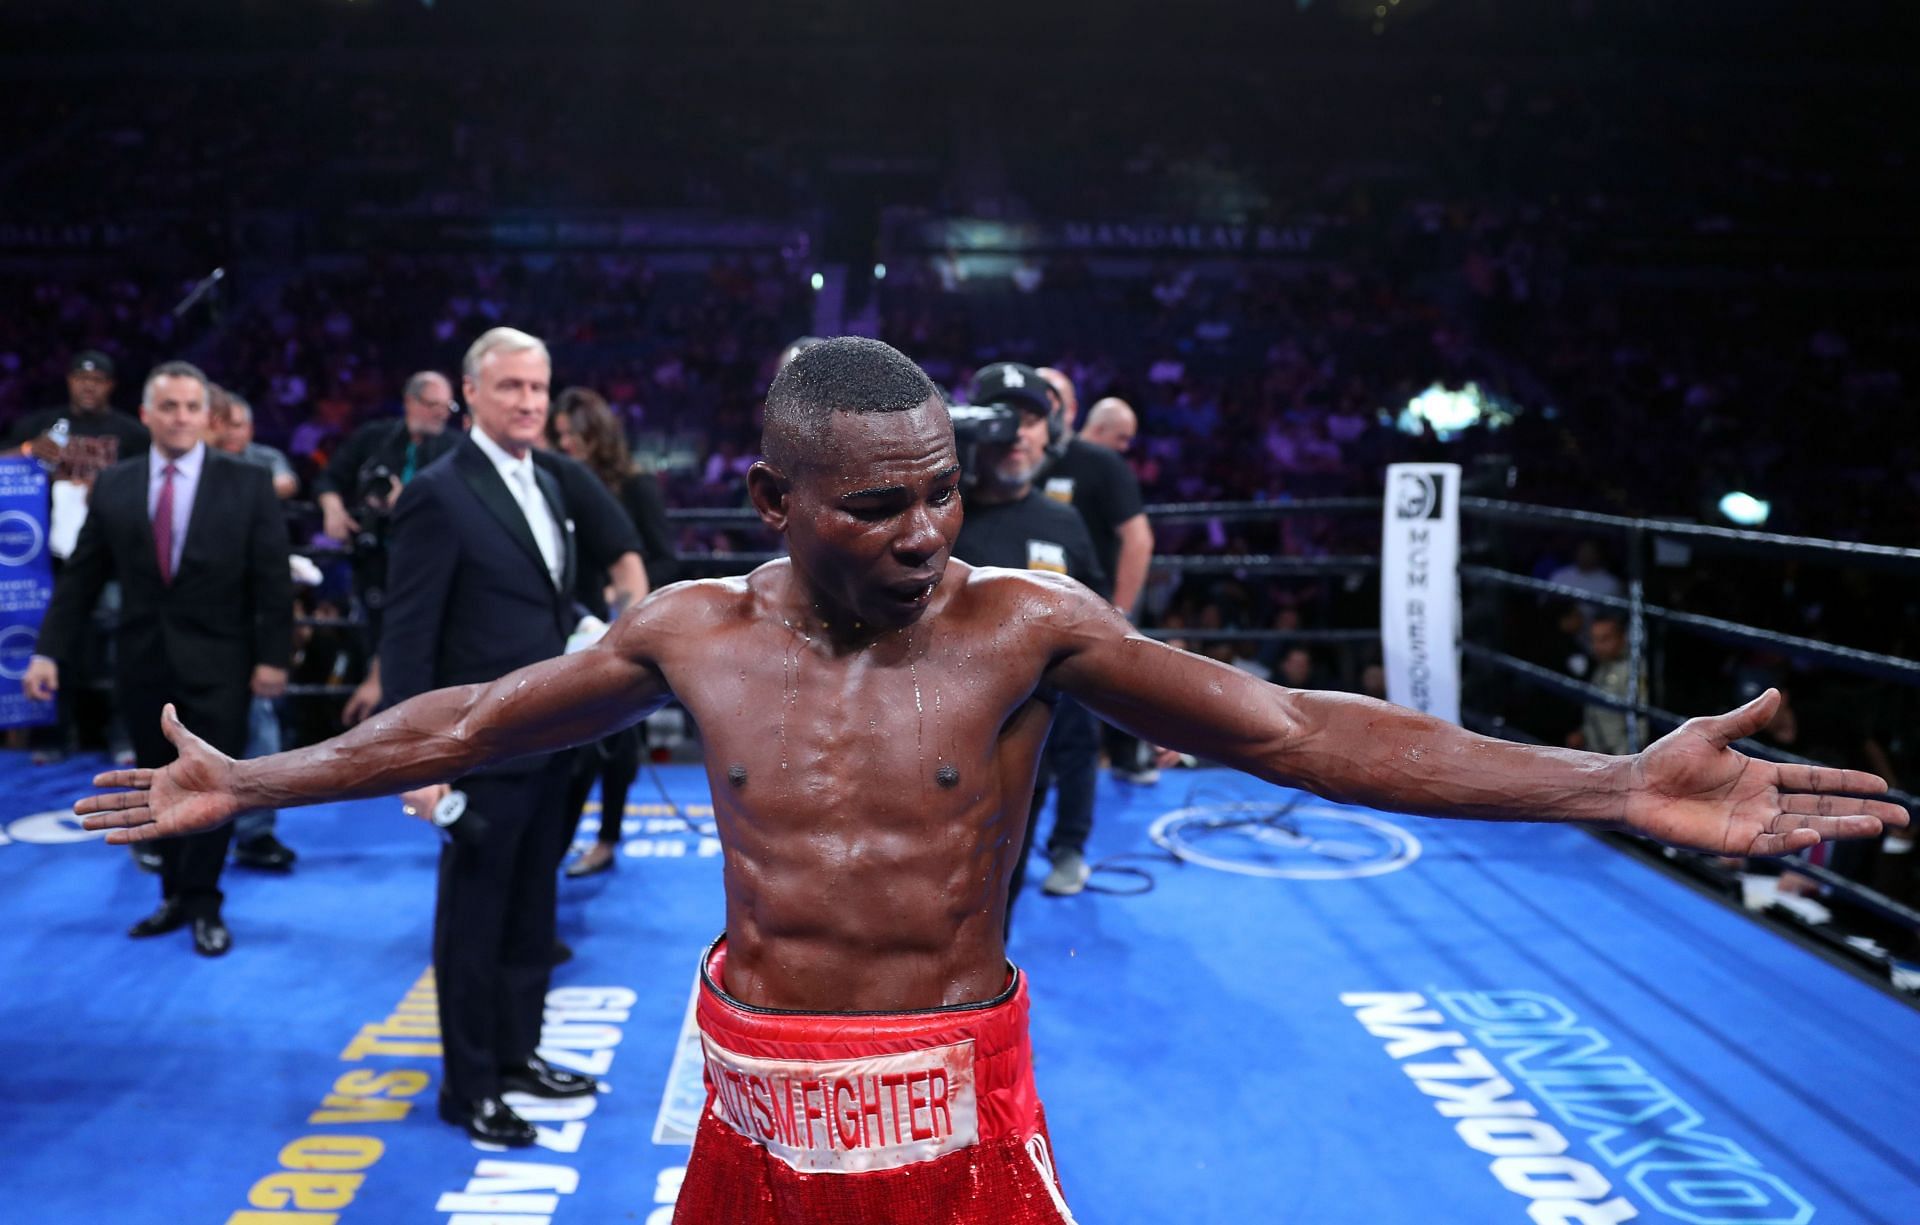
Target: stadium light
<point>1745,509</point>
<point>1447,412</point>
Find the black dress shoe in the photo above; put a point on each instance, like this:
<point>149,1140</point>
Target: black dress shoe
<point>266,852</point>
<point>489,1119</point>
<point>541,1079</point>
<point>172,916</point>
<point>147,857</point>
<point>211,937</point>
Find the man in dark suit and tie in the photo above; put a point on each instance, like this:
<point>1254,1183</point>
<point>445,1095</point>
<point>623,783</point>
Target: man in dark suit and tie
<point>198,543</point>
<point>484,551</point>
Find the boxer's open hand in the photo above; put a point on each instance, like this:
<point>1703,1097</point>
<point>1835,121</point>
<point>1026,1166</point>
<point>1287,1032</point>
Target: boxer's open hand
<point>1690,789</point>
<point>186,797</point>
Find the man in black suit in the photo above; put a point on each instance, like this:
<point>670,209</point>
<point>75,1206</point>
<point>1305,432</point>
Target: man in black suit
<point>483,560</point>
<point>198,543</point>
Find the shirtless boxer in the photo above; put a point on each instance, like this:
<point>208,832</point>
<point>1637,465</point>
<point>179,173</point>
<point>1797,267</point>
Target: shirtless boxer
<point>873,712</point>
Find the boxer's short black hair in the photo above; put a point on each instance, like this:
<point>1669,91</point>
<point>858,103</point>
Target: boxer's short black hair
<point>847,374</point>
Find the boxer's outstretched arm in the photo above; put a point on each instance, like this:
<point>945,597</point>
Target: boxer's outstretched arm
<point>432,738</point>
<point>1689,789</point>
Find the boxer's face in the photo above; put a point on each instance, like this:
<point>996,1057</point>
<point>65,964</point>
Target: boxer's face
<point>870,523</point>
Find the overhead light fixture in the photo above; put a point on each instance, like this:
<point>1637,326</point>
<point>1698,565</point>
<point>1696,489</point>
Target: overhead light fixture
<point>1446,412</point>
<point>1745,509</point>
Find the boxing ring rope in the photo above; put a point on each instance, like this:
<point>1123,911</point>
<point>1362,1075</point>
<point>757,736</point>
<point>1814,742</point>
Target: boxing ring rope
<point>1725,539</point>
<point>1158,512</point>
<point>1852,659</point>
<point>1641,535</point>
<point>1229,635</point>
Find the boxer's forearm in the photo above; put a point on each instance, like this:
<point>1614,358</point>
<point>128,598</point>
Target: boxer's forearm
<point>1368,752</point>
<point>422,740</point>
<point>1341,745</point>
<point>440,735</point>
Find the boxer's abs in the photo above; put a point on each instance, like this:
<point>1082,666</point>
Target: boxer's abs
<point>811,974</point>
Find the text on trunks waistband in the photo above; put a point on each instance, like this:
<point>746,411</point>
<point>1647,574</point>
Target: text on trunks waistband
<point>849,1116</point>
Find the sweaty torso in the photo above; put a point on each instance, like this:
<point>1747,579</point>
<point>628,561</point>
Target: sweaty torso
<point>870,798</point>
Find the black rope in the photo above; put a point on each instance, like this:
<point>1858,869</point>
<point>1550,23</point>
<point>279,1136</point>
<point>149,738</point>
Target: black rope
<point>1832,552</point>
<point>320,691</point>
<point>1142,881</point>
<point>1262,563</point>
<point>1238,512</point>
<point>745,560</point>
<point>1547,678</point>
<point>679,814</point>
<point>1852,659</point>
<point>1872,899</point>
<point>1189,635</point>
<point>712,514</point>
<point>1523,582</point>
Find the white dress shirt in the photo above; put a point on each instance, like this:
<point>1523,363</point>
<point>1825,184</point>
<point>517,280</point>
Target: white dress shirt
<point>186,483</point>
<point>519,476</point>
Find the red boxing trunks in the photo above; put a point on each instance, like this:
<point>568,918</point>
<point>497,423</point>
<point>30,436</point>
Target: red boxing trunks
<point>922,1117</point>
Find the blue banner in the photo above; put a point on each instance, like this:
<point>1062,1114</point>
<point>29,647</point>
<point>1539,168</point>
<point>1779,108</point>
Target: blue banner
<point>26,585</point>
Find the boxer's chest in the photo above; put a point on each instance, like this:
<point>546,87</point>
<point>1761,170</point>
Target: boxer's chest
<point>786,712</point>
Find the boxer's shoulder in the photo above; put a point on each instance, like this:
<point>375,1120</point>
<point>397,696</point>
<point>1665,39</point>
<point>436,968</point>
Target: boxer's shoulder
<point>696,603</point>
<point>998,591</point>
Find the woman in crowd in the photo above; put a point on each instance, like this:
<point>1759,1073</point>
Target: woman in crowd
<point>585,429</point>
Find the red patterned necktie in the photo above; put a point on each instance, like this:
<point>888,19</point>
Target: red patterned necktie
<point>163,524</point>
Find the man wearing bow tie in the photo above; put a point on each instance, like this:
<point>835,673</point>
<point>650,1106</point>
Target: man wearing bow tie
<point>198,543</point>
<point>484,550</point>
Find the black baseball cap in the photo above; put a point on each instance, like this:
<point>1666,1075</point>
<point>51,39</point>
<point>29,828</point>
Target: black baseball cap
<point>1013,384</point>
<point>91,361</point>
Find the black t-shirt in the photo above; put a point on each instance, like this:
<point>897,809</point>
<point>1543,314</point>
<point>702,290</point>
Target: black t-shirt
<point>95,441</point>
<point>641,498</point>
<point>1097,483</point>
<point>601,529</point>
<point>1034,533</point>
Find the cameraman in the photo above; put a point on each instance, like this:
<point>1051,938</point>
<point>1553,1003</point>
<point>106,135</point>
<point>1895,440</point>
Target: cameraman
<point>1003,446</point>
<point>381,456</point>
<point>357,492</point>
